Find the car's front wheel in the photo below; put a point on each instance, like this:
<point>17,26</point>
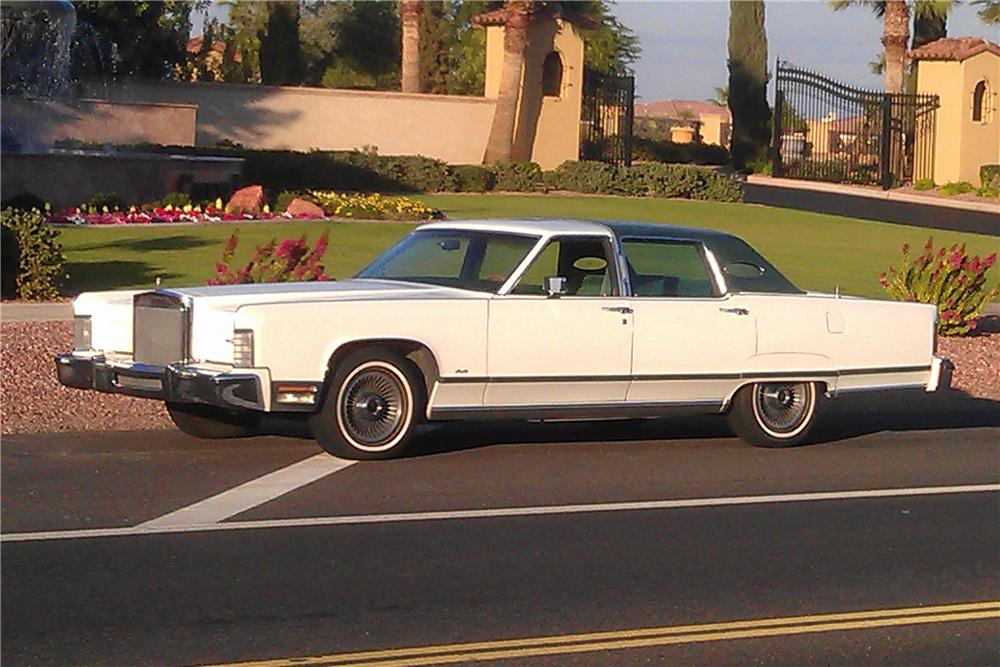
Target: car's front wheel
<point>209,422</point>
<point>372,404</point>
<point>774,414</point>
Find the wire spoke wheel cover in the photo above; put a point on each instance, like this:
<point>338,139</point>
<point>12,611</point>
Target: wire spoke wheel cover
<point>374,406</point>
<point>783,409</point>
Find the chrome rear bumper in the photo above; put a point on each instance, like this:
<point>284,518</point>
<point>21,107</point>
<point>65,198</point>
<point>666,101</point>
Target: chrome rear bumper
<point>175,383</point>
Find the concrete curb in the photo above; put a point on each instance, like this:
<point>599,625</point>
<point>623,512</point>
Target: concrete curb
<point>890,195</point>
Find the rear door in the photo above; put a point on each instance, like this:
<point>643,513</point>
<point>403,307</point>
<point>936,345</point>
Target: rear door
<point>690,342</point>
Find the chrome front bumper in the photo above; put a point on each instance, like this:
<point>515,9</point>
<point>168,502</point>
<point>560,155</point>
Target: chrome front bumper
<point>175,383</point>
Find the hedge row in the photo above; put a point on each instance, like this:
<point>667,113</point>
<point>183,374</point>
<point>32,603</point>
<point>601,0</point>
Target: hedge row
<point>650,179</point>
<point>362,171</point>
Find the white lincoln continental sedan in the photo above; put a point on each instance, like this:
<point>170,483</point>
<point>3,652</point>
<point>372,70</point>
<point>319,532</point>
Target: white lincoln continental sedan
<point>534,320</point>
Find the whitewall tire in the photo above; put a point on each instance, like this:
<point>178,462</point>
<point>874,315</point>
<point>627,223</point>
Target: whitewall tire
<point>774,414</point>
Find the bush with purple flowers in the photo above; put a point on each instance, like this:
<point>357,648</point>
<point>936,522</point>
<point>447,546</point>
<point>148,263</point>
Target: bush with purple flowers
<point>948,278</point>
<point>291,260</point>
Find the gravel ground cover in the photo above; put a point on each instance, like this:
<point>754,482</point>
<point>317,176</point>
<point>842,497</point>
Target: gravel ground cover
<point>33,401</point>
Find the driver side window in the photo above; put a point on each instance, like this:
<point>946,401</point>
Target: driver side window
<point>585,262</point>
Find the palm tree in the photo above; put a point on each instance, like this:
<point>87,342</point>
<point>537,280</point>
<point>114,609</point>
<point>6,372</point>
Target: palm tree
<point>517,17</point>
<point>895,15</point>
<point>989,12</point>
<point>410,13</point>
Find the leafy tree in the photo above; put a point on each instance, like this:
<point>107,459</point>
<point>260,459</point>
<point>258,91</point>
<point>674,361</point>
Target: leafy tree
<point>367,54</point>
<point>989,11</point>
<point>748,82</point>
<point>145,39</point>
<point>280,49</point>
<point>437,33</point>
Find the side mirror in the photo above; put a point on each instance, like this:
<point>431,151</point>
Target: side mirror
<point>555,286</point>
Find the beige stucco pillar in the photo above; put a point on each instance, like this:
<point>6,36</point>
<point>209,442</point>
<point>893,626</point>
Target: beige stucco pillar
<point>964,139</point>
<point>549,106</point>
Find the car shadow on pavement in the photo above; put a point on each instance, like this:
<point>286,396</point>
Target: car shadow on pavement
<point>843,418</point>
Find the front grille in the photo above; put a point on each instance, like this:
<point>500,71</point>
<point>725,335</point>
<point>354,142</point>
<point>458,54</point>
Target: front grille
<point>160,329</point>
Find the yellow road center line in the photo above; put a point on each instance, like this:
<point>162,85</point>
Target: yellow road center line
<point>611,640</point>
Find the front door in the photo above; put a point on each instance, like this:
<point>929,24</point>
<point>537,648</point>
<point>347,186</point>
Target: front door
<point>571,349</point>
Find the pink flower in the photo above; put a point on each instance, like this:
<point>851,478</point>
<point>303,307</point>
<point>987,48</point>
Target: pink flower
<point>990,260</point>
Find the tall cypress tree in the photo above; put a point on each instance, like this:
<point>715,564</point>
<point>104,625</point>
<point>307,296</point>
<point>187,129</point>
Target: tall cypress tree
<point>751,132</point>
<point>280,49</point>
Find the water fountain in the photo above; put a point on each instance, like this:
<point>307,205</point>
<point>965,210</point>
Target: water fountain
<point>49,57</point>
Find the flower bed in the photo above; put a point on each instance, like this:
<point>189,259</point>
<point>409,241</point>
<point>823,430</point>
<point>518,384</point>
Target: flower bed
<point>371,206</point>
<point>334,204</point>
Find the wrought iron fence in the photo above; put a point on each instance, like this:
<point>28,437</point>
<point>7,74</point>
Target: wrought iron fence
<point>606,123</point>
<point>827,131</point>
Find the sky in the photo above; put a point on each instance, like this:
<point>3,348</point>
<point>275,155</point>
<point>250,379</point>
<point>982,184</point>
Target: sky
<point>684,43</point>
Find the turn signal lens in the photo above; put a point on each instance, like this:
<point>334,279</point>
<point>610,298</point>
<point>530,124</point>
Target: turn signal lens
<point>82,333</point>
<point>243,348</point>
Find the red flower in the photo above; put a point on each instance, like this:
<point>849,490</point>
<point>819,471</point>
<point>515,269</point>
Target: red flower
<point>906,248</point>
<point>990,260</point>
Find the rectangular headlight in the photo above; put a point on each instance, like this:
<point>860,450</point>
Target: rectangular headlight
<point>243,348</point>
<point>82,333</point>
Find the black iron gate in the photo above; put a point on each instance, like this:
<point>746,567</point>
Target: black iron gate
<point>606,123</point>
<point>827,131</point>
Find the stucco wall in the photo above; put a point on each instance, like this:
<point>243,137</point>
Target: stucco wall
<point>39,123</point>
<point>547,130</point>
<point>980,140</point>
<point>450,128</point>
<point>960,144</point>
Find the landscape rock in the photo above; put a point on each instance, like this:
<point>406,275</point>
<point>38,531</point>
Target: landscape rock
<point>247,200</point>
<point>300,208</point>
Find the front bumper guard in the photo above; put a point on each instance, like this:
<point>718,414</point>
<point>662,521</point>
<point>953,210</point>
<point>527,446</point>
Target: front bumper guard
<point>175,383</point>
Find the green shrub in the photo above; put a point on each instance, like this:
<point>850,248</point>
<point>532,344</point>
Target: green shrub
<point>10,260</point>
<point>550,178</point>
<point>988,192</point>
<point>102,200</point>
<point>24,201</point>
<point>669,151</point>
<point>924,184</point>
<point>173,199</point>
<point>956,188</point>
<point>472,178</point>
<point>650,179</point>
<point>208,193</point>
<point>41,260</point>
<point>989,176</point>
<point>762,166</point>
<point>516,176</point>
<point>947,278</point>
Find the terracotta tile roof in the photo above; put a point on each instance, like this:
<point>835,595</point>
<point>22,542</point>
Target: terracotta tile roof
<point>954,48</point>
<point>195,43</point>
<point>676,109</point>
<point>538,12</point>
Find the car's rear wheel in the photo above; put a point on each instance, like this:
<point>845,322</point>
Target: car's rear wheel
<point>372,404</point>
<point>209,422</point>
<point>774,414</point>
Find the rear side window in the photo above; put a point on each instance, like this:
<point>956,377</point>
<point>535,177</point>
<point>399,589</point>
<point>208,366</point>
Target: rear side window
<point>667,269</point>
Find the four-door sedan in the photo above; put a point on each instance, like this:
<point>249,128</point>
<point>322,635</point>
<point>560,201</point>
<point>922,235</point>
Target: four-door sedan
<point>506,319</point>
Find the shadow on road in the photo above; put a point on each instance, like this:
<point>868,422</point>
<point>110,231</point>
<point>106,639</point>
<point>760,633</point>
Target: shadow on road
<point>842,418</point>
<point>870,208</point>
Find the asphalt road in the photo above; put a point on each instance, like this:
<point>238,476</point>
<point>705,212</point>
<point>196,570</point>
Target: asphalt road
<point>877,545</point>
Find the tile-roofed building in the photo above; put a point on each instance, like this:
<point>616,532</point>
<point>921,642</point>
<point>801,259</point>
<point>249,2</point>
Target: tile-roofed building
<point>678,109</point>
<point>954,48</point>
<point>537,12</point>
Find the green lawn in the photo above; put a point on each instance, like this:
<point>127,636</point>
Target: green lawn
<point>816,251</point>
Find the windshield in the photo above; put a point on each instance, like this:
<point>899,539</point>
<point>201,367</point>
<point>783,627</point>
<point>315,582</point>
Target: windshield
<point>474,260</point>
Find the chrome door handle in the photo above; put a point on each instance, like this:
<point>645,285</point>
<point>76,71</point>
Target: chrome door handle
<point>735,311</point>
<point>624,310</point>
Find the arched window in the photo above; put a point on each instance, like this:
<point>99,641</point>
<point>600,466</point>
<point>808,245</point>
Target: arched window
<point>980,99</point>
<point>552,73</point>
